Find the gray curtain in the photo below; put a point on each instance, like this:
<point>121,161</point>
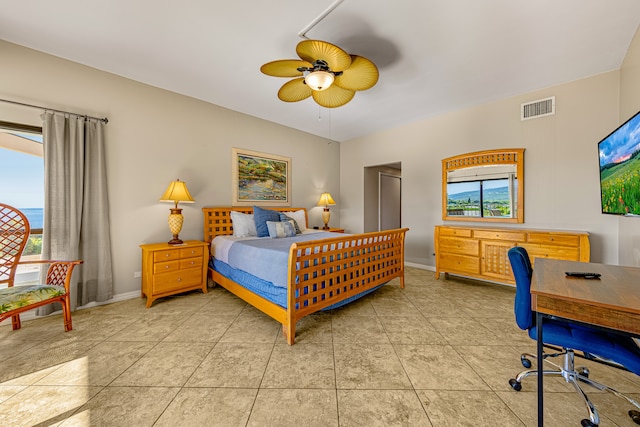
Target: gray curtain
<point>76,220</point>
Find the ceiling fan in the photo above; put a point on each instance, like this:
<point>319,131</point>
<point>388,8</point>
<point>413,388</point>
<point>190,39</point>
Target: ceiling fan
<point>325,72</point>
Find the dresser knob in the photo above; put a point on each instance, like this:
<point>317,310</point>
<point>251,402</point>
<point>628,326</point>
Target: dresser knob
<point>179,279</point>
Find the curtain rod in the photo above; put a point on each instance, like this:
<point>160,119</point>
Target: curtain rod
<point>105,120</point>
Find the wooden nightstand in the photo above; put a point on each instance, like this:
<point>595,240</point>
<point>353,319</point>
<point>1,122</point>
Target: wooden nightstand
<point>171,269</point>
<point>335,230</point>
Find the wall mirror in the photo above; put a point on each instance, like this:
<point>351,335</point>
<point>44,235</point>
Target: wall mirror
<point>485,186</point>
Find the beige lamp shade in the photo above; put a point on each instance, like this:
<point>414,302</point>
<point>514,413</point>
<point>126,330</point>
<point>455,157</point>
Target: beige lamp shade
<point>176,192</point>
<point>326,200</point>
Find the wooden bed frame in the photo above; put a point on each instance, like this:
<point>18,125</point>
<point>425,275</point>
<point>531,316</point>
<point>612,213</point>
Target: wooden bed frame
<point>321,272</point>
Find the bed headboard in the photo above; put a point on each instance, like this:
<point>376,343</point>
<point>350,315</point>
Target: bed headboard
<point>217,220</point>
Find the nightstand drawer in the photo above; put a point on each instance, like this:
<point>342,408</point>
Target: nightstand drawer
<point>176,280</point>
<point>191,252</point>
<point>166,255</point>
<point>166,267</point>
<point>191,262</point>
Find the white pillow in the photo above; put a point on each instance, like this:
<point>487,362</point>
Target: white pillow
<point>300,218</point>
<point>279,229</point>
<point>243,224</point>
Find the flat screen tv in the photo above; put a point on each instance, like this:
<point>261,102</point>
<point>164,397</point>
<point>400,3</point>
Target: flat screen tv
<point>620,169</point>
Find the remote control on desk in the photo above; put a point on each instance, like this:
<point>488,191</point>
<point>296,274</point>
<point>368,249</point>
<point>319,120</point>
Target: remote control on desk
<point>583,274</point>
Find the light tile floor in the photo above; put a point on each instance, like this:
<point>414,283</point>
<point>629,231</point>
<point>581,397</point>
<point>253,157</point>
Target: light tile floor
<point>438,353</point>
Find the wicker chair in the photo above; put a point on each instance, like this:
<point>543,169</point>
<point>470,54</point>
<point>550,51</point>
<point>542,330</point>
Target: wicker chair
<point>14,234</point>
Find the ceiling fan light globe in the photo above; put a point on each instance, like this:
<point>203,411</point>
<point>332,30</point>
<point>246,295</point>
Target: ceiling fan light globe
<point>319,80</point>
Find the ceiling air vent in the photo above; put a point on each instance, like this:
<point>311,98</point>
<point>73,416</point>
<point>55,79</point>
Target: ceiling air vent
<point>540,108</point>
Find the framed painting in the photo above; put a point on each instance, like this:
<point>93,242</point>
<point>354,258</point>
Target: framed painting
<point>260,179</point>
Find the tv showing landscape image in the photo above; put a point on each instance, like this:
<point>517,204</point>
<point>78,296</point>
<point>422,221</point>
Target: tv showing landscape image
<point>620,169</point>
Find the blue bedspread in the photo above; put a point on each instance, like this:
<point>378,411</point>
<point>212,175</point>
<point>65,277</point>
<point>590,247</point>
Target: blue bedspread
<point>268,258</point>
<point>266,290</point>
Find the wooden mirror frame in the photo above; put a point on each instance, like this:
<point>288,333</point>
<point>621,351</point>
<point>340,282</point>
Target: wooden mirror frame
<point>506,156</point>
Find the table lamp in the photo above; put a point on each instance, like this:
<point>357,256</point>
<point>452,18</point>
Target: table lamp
<point>326,200</point>
<point>177,192</point>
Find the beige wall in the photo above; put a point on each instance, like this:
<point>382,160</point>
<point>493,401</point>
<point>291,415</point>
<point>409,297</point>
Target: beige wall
<point>561,162</point>
<point>155,136</point>
<point>629,228</point>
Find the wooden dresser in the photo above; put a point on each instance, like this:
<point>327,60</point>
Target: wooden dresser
<point>481,252</point>
<point>171,269</point>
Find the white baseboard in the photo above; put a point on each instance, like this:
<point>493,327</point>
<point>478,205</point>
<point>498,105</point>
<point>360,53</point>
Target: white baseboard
<point>420,266</point>
<point>31,314</point>
<point>116,298</point>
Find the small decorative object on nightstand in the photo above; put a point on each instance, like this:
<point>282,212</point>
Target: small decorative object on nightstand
<point>177,192</point>
<point>168,270</point>
<point>326,200</point>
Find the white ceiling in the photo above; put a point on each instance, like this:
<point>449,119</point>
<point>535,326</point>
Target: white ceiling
<point>433,55</point>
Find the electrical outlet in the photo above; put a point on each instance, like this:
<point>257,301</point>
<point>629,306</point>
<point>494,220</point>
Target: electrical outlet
<point>137,274</point>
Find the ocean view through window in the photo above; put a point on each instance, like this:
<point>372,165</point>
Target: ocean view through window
<point>22,185</point>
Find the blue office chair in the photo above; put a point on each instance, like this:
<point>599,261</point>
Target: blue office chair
<point>595,344</point>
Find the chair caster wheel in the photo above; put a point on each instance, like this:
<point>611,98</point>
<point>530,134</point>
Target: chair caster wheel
<point>588,423</point>
<point>515,385</point>
<point>635,416</point>
<point>525,362</point>
<point>584,372</point>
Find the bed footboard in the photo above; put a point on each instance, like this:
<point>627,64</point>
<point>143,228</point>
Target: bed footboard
<point>325,272</point>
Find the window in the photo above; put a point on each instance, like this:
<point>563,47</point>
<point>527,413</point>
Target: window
<point>22,182</point>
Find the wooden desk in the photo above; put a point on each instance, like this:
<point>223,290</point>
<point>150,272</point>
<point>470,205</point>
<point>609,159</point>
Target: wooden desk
<point>611,302</point>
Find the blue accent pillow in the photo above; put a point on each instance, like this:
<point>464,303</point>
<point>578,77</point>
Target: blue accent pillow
<point>285,217</point>
<point>261,216</point>
<point>280,229</point>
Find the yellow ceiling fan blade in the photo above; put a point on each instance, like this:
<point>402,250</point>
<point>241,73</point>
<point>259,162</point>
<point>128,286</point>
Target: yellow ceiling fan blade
<point>284,68</point>
<point>361,75</point>
<point>333,97</point>
<point>294,90</point>
<point>312,50</point>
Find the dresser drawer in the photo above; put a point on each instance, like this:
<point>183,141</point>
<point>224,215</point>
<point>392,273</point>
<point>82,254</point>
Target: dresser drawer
<point>461,232</point>
<point>556,239</point>
<point>457,245</point>
<point>167,282</point>
<point>514,236</point>
<point>459,264</point>
<point>555,252</point>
